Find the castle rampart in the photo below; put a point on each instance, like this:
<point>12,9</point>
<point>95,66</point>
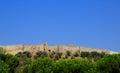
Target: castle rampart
<point>13,49</point>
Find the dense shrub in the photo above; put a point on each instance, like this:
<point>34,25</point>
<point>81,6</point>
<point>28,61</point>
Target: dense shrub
<point>41,54</point>
<point>2,57</point>
<point>96,55</point>
<point>27,69</point>
<point>10,60</point>
<point>74,66</point>
<point>4,68</point>
<point>19,54</point>
<point>85,54</point>
<point>24,54</point>
<point>58,55</point>
<point>109,64</point>
<point>44,65</point>
<point>24,59</point>
<point>44,54</point>
<point>92,55</point>
<point>68,53</point>
<point>23,63</point>
<point>47,65</point>
<point>27,54</point>
<point>38,54</point>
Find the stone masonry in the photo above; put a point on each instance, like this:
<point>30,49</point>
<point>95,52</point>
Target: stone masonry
<point>13,49</point>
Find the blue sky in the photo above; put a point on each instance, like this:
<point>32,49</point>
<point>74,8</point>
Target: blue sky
<point>90,23</point>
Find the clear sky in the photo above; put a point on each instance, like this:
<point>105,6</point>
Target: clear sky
<point>90,23</point>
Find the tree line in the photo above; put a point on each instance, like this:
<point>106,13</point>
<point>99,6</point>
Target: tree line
<point>53,62</point>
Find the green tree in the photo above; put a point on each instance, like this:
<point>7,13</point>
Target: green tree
<point>41,65</point>
<point>68,53</point>
<point>59,54</point>
<point>41,54</point>
<point>27,69</point>
<point>4,68</point>
<point>19,54</point>
<point>12,61</point>
<point>24,59</point>
<point>74,66</point>
<point>24,54</point>
<point>27,54</point>
<point>85,54</point>
<point>2,56</point>
<point>44,54</point>
<point>38,54</point>
<point>109,64</point>
<point>56,57</point>
<point>95,55</point>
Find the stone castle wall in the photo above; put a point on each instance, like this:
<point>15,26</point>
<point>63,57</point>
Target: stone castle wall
<point>13,49</point>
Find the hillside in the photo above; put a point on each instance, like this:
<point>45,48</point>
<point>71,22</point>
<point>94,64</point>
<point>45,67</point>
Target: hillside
<point>14,49</point>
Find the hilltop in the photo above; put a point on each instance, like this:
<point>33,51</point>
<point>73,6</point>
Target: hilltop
<point>14,49</point>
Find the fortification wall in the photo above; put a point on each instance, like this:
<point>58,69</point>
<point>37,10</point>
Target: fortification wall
<point>13,49</point>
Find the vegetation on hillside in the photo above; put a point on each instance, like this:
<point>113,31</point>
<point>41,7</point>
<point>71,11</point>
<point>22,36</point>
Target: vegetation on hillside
<point>57,62</point>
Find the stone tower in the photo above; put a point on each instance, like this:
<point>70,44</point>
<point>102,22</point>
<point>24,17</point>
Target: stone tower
<point>46,44</point>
